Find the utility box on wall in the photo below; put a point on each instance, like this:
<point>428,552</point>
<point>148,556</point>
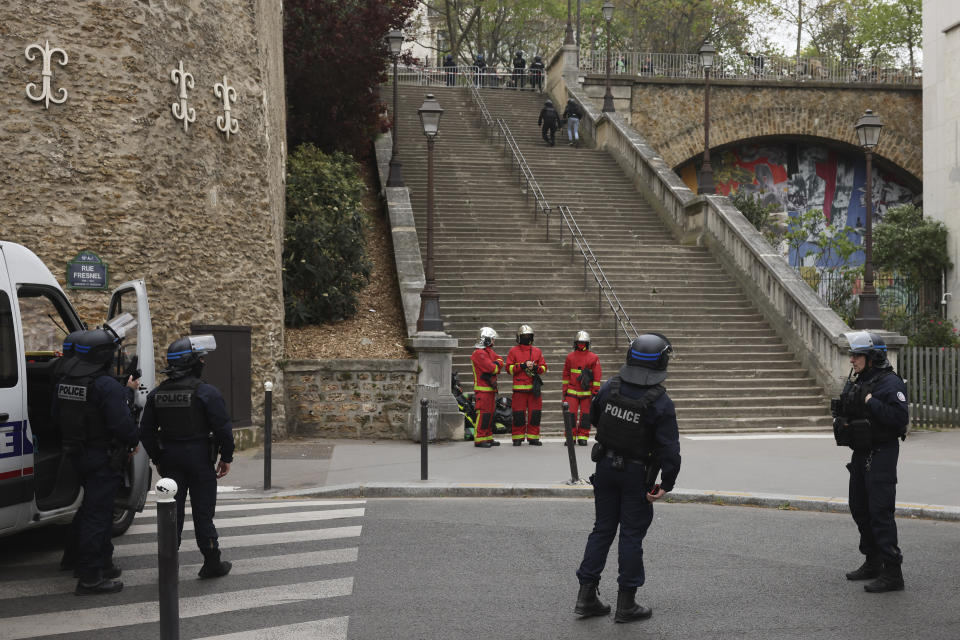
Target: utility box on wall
<point>228,368</point>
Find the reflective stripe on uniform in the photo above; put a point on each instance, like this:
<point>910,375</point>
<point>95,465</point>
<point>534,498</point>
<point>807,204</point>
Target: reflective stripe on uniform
<point>480,438</point>
<point>522,387</point>
<point>483,389</point>
<point>576,370</point>
<point>583,394</point>
<point>518,436</point>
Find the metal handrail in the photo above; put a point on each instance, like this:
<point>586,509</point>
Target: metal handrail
<point>590,261</point>
<point>459,76</point>
<point>482,106</point>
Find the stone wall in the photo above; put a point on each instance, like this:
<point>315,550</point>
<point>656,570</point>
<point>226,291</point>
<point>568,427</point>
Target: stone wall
<point>350,398</point>
<point>196,214</point>
<point>669,114</point>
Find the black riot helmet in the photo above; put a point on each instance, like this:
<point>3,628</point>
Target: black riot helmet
<point>871,345</point>
<point>548,103</point>
<point>536,58</point>
<point>94,351</point>
<point>647,359</point>
<point>185,355</point>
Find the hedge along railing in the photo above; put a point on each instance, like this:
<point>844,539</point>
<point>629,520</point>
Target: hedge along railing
<point>933,387</point>
<point>812,330</point>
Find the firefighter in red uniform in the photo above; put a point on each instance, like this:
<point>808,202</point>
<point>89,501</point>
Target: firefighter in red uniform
<point>486,365</point>
<point>581,381</point>
<point>524,362</point>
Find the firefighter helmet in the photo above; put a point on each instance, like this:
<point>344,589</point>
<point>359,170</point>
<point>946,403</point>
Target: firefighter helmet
<point>647,359</point>
<point>525,334</point>
<point>582,336</point>
<point>486,337</point>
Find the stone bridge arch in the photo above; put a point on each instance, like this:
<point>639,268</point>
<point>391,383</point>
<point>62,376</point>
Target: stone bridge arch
<point>668,112</point>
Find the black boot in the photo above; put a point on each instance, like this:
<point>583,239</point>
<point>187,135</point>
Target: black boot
<point>97,587</point>
<point>869,570</point>
<point>213,566</point>
<point>534,443</point>
<point>627,608</point>
<point>890,579</point>
<point>517,443</point>
<point>588,602</point>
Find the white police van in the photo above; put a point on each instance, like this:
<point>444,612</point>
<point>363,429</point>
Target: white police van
<point>38,485</point>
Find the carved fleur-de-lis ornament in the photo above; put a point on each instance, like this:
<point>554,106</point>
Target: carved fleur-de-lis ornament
<point>46,93</point>
<point>181,112</point>
<point>226,123</point>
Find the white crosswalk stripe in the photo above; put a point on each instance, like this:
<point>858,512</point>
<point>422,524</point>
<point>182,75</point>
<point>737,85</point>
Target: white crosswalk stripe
<point>300,581</point>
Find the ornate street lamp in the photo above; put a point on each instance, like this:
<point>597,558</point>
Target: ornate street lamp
<point>568,36</point>
<point>705,184</point>
<point>395,177</point>
<point>430,319</point>
<point>607,10</point>
<point>868,315</point>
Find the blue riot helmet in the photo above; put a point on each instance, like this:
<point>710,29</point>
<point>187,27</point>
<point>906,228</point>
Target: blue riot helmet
<point>93,350</point>
<point>869,344</point>
<point>647,359</point>
<point>185,355</point>
<point>69,341</point>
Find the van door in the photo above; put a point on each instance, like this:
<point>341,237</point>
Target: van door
<point>131,297</point>
<point>16,448</point>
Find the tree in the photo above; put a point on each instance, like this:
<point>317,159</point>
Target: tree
<point>894,25</point>
<point>335,57</point>
<point>909,243</point>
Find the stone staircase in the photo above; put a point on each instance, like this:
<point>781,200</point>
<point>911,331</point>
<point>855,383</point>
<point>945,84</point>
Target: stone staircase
<point>495,267</point>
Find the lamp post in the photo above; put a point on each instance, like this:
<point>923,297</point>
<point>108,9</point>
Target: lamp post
<point>429,319</point>
<point>868,315</point>
<point>568,36</point>
<point>607,10</point>
<point>395,177</point>
<point>705,184</point>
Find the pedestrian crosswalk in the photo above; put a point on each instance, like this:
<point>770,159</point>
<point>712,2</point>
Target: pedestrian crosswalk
<point>292,571</point>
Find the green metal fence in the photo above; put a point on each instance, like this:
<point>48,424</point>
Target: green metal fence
<point>933,391</point>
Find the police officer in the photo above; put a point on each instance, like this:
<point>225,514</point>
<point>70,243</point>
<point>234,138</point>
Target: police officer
<point>185,426</point>
<point>536,74</point>
<point>519,71</point>
<point>548,121</point>
<point>871,418</point>
<point>637,435</point>
<point>481,64</point>
<point>98,433</point>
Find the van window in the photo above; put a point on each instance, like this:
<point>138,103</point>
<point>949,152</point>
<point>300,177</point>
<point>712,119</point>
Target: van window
<point>8,344</point>
<point>43,326</point>
<point>126,301</point>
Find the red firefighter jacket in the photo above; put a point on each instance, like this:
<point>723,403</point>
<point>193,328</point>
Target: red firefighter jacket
<point>523,381</point>
<point>574,365</point>
<point>486,360</point>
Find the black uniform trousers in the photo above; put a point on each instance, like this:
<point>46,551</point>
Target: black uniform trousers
<point>188,463</point>
<point>551,129</point>
<point>620,499</point>
<point>873,494</point>
<point>93,522</point>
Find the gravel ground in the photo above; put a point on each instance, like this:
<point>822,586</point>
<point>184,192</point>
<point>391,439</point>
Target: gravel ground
<point>377,330</point>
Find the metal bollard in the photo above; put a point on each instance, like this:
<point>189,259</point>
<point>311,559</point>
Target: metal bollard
<point>423,438</point>
<point>267,433</point>
<point>568,419</point>
<point>167,561</point>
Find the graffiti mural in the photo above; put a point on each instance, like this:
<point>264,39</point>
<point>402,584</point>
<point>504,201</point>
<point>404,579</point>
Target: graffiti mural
<point>800,177</point>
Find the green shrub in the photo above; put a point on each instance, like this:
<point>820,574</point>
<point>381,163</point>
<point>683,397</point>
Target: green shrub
<point>749,205</point>
<point>324,254</point>
<point>909,243</point>
<point>934,331</point>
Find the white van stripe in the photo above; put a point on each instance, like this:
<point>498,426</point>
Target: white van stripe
<point>46,624</point>
<point>329,629</point>
<point>251,540</point>
<point>151,512</point>
<point>137,577</point>
<point>249,521</point>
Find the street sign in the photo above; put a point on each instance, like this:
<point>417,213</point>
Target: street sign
<point>87,271</point>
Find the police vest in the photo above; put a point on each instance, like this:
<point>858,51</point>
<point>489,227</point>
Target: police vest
<point>853,408</point>
<point>80,422</point>
<point>180,414</point>
<point>622,427</point>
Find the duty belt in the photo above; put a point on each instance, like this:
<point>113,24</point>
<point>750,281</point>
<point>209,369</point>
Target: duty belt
<point>613,454</point>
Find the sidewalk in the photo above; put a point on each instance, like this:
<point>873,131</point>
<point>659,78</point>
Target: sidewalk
<point>784,470</point>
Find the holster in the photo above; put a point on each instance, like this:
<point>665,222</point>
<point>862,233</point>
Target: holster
<point>856,434</point>
<point>597,452</point>
<point>214,448</point>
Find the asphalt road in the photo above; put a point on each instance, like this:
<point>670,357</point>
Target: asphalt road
<point>494,568</point>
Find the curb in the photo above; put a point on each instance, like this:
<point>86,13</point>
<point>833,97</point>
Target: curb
<point>428,489</point>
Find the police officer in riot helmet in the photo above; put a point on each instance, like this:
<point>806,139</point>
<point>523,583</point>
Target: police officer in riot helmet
<point>98,432</point>
<point>185,428</point>
<point>637,437</point>
<point>871,418</point>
